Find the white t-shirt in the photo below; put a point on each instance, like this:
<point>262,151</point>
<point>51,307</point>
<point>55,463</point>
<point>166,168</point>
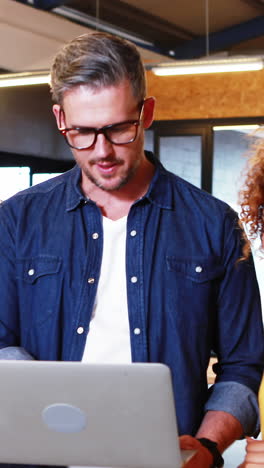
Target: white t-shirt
<point>108,339</point>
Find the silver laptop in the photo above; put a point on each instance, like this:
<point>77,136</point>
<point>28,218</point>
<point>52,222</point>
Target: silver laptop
<point>72,413</point>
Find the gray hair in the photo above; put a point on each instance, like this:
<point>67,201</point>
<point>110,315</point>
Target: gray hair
<point>97,60</point>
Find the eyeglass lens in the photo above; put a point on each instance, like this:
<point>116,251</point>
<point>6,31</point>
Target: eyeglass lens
<point>117,134</point>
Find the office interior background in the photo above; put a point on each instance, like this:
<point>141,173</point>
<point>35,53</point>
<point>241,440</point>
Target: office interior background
<point>205,124</point>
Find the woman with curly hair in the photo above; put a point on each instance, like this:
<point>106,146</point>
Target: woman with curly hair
<point>251,199</point>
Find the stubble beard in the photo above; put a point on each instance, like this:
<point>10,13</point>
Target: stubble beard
<point>123,180</point>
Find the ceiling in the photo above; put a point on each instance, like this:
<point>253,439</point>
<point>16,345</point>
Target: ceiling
<point>164,30</point>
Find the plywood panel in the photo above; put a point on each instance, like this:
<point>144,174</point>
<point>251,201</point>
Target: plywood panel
<point>220,95</point>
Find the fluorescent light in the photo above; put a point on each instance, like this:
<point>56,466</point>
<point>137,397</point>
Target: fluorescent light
<point>24,79</point>
<point>241,128</point>
<point>193,67</point>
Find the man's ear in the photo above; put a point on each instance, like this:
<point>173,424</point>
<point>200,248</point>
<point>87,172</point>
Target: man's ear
<point>59,116</point>
<point>148,112</point>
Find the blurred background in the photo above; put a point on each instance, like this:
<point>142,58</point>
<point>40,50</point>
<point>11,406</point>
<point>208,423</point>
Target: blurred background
<point>205,122</point>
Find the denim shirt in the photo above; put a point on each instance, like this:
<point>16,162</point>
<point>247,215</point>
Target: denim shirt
<point>187,294</point>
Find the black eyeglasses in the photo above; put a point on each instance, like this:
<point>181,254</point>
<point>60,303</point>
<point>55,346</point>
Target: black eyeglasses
<point>120,133</point>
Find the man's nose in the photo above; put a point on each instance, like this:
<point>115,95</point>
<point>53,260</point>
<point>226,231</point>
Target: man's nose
<point>103,146</point>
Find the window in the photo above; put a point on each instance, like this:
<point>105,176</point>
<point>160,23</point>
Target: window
<point>39,177</point>
<point>182,156</point>
<point>12,180</point>
<point>231,149</point>
<point>20,172</point>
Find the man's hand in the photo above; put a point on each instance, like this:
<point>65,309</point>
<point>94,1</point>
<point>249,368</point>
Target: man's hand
<point>202,458</point>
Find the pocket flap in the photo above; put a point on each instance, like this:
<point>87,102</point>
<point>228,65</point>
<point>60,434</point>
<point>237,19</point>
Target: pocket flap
<point>30,269</point>
<point>196,269</point>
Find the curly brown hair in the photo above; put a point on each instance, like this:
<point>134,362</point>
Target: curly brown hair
<point>251,198</point>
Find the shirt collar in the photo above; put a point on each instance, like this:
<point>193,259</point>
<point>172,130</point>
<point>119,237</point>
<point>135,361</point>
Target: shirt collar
<point>74,196</point>
<point>160,189</point>
<point>159,192</point>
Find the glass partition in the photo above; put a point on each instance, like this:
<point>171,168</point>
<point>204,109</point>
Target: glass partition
<point>39,177</point>
<point>231,150</point>
<point>182,156</point>
<point>12,180</point>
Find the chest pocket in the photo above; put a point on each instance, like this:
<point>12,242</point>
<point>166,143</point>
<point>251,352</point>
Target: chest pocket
<point>192,294</point>
<point>39,284</point>
<point>198,270</point>
<point>31,269</point>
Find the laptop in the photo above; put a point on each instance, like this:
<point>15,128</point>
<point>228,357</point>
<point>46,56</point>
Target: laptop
<point>99,415</point>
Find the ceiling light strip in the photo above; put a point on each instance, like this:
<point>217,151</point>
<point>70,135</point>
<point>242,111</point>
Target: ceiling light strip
<point>218,128</point>
<point>24,79</point>
<point>209,66</point>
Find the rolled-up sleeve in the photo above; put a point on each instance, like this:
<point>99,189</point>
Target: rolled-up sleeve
<point>239,341</point>
<point>238,400</point>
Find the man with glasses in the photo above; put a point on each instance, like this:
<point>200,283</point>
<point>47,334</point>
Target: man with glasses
<point>119,260</point>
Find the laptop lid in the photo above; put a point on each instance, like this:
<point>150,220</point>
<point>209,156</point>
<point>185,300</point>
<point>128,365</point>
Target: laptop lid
<point>72,413</point>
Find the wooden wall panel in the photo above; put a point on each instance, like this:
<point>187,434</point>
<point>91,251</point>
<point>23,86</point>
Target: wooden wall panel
<point>220,95</point>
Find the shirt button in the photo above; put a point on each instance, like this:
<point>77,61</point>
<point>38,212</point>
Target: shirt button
<point>133,233</point>
<point>95,235</point>
<point>31,272</point>
<point>91,280</point>
<point>137,331</point>
<point>80,330</point>
<point>198,269</point>
<point>133,279</point>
